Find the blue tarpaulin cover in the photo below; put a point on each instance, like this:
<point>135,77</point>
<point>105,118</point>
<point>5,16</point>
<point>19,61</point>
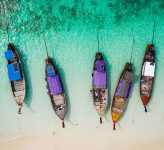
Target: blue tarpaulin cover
<point>50,71</point>
<point>9,55</point>
<point>14,71</point>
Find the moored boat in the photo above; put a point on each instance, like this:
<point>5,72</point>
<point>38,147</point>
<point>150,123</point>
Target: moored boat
<point>99,85</point>
<point>16,75</point>
<point>120,99</point>
<point>99,82</point>
<point>55,88</point>
<point>147,75</point>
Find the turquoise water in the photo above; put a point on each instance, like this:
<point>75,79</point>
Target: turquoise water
<point>70,30</point>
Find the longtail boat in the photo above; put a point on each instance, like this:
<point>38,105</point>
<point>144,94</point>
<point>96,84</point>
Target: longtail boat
<point>16,75</point>
<point>55,88</point>
<point>148,73</point>
<point>122,92</point>
<point>99,85</point>
<point>120,99</point>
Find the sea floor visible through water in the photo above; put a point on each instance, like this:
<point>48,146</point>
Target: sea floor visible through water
<point>70,30</point>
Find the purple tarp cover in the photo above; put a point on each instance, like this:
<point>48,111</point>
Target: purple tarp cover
<point>100,63</point>
<point>99,79</point>
<point>99,76</point>
<point>54,85</point>
<point>123,88</point>
<point>118,88</point>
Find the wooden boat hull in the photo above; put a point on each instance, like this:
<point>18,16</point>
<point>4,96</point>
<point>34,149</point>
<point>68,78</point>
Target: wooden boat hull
<point>99,85</point>
<point>120,99</point>
<point>147,75</point>
<point>56,92</point>
<point>19,86</point>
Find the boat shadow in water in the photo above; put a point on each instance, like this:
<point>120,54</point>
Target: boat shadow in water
<point>109,67</point>
<point>29,92</point>
<point>66,90</point>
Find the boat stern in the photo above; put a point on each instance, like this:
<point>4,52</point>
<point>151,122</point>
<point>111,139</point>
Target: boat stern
<point>59,105</point>
<point>115,117</point>
<point>19,100</point>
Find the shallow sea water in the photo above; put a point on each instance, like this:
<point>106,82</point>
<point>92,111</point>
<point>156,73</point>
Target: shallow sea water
<point>70,30</point>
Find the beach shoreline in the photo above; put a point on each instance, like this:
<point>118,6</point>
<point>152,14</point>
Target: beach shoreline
<point>86,140</point>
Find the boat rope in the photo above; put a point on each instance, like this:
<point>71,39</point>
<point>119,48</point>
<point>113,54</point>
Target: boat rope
<point>153,33</point>
<point>145,109</point>
<point>98,43</point>
<point>101,120</point>
<point>7,28</point>
<point>45,44</point>
<point>114,125</point>
<point>132,50</point>
<point>63,125</point>
<point>19,110</point>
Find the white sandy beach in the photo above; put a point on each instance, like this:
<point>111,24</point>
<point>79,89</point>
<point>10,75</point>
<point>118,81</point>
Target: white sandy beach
<point>96,139</point>
<point>73,143</point>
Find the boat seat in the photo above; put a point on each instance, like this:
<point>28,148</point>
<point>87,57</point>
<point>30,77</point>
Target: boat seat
<point>145,93</point>
<point>18,85</point>
<point>56,97</point>
<point>119,100</point>
<point>19,93</point>
<point>117,111</point>
<point>96,99</point>
<point>118,105</point>
<point>58,100</point>
<point>145,87</point>
<point>97,103</point>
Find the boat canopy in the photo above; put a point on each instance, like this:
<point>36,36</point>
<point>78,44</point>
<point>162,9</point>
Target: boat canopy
<point>123,88</point>
<point>50,71</point>
<point>100,65</point>
<point>54,85</point>
<point>99,79</point>
<point>14,71</point>
<point>148,69</point>
<point>129,76</point>
<point>99,76</point>
<point>9,54</point>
